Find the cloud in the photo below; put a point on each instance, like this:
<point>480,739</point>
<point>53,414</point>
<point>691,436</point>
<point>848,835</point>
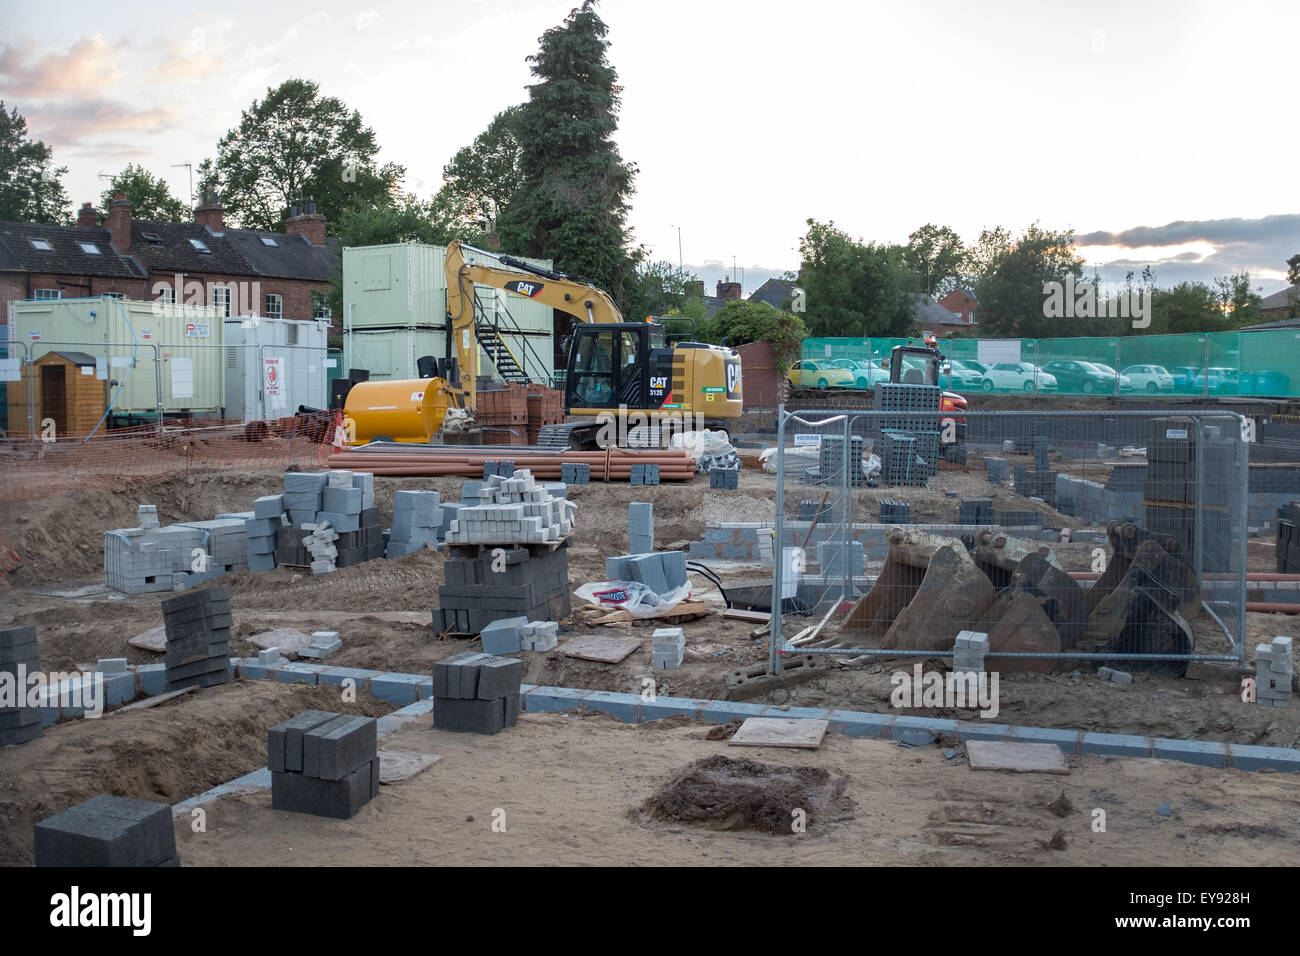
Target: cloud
<point>79,123</point>
<point>1221,247</point>
<point>365,19</point>
<point>88,66</point>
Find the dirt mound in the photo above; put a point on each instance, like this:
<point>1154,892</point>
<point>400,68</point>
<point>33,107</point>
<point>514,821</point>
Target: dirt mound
<point>721,793</point>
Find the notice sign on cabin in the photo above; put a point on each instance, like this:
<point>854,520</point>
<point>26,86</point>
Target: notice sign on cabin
<point>273,381</point>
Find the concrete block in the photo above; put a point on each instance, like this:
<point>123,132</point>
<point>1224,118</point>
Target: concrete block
<point>336,748</point>
<point>469,716</point>
<point>339,799</point>
<point>550,699</point>
<point>1116,745</point>
<point>152,678</point>
<point>284,741</point>
<point>107,831</point>
<point>852,723</point>
<point>268,506</point>
<point>499,677</point>
<point>296,672</point>
<point>397,688</point>
<point>111,665</point>
<point>1205,753</point>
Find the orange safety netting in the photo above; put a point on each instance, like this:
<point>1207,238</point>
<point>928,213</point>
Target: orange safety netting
<point>145,455</point>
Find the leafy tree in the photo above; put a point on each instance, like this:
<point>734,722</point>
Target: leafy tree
<point>1239,302</point>
<point>484,176</point>
<point>31,188</point>
<point>296,144</point>
<point>572,203</point>
<point>150,196</point>
<point>852,289</point>
<point>659,288</point>
<point>1186,307</point>
<point>938,257</point>
<point>741,322</point>
<point>1012,277</point>
<point>1293,269</point>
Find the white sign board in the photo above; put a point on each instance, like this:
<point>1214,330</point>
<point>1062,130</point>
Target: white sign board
<point>182,377</point>
<point>993,351</point>
<point>10,370</point>
<point>807,440</point>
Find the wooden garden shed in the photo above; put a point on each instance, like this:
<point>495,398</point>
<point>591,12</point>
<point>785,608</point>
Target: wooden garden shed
<point>67,390</point>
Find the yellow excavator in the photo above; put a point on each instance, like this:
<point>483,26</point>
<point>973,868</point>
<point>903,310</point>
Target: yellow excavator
<point>616,370</point>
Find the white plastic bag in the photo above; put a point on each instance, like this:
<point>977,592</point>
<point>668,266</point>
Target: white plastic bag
<point>631,596</point>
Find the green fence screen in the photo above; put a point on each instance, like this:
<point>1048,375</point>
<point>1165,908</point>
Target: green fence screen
<point>1265,363</point>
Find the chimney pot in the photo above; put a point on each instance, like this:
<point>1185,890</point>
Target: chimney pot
<point>87,216</point>
<point>119,223</point>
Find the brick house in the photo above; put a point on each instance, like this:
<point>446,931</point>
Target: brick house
<point>962,305</point>
<point>286,275</point>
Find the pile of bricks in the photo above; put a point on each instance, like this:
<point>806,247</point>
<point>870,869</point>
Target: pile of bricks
<point>660,571</point>
<point>997,470</point>
<point>810,509</point>
<point>1288,540</point>
<point>1020,519</point>
<point>1172,499</point>
<point>303,492</point>
<point>320,543</point>
<point>146,560</point>
<point>895,512</point>
<point>975,511</point>
<point>1274,665</point>
<point>262,532</point>
<point>539,636</point>
<point>477,589</point>
<point>499,469</point>
<point>198,638</point>
<point>906,462</point>
<point>831,461</point>
<point>324,764</point>
<point>1036,483</point>
<point>515,510</point>
<point>668,650</point>
<point>476,693</point>
<point>108,831</point>
<point>640,527</point>
<point>969,651</point>
<point>575,473</point>
<point>19,657</point>
<point>545,407</point>
<point>507,405</point>
<point>725,479</point>
<point>417,522</point>
<point>645,475</point>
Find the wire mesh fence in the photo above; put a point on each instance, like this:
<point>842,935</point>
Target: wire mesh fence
<point>1064,537</point>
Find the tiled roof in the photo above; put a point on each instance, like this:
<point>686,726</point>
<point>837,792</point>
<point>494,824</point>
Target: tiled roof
<point>774,292</point>
<point>66,257</point>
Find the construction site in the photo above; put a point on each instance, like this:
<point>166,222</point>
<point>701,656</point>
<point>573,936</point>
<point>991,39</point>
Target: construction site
<point>888,600</point>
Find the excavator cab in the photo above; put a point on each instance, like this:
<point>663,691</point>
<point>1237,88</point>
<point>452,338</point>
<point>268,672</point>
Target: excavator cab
<point>618,363</point>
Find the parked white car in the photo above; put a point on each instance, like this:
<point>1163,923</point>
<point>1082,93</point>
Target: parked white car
<point>1017,377</point>
<point>1149,378</point>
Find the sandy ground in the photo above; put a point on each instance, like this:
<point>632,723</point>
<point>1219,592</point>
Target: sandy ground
<point>382,612</point>
<point>166,753</point>
<point>571,791</point>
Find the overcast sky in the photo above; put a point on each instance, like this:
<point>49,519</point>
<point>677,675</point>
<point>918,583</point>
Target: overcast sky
<point>1160,132</point>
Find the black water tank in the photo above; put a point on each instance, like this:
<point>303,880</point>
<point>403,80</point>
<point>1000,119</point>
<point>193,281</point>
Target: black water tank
<point>427,366</point>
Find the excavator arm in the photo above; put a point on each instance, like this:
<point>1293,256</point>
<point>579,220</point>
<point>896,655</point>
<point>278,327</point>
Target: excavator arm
<point>584,302</point>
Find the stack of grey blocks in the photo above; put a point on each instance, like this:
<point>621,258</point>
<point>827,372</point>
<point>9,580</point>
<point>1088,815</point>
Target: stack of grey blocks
<point>323,644</point>
<point>640,527</point>
<point>324,764</point>
<point>997,469</point>
<point>513,510</point>
<point>108,831</point>
<point>197,626</point>
<point>668,650</point>
<point>968,652</point>
<point>1274,665</point>
<point>975,511</point>
<point>539,636</point>
<point>303,492</point>
<point>262,532</point>
<point>418,521</point>
<point>146,516</point>
<point>575,473</point>
<point>498,469</point>
<point>476,693</point>
<point>660,571</point>
<point>149,559</point>
<point>643,475</point>
<point>19,657</point>
<point>724,479</point>
<point>478,589</point>
<point>320,544</point>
